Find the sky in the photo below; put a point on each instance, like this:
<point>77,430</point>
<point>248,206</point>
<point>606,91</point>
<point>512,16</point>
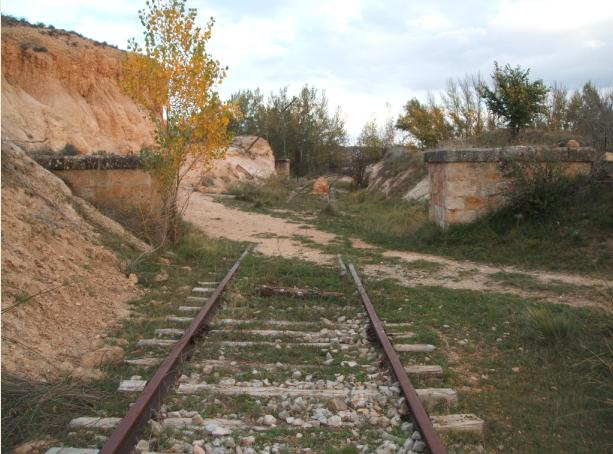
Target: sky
<point>370,56</point>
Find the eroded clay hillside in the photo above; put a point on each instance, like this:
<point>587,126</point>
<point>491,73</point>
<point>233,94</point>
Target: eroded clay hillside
<point>62,288</point>
<point>247,158</point>
<point>59,88</point>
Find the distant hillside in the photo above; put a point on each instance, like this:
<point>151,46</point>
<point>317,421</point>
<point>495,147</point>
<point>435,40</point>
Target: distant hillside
<point>60,91</point>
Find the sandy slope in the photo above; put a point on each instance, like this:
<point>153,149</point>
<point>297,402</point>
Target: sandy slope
<point>62,289</point>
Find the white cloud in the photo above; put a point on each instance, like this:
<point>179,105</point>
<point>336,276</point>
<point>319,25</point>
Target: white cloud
<point>365,53</point>
<point>552,15</point>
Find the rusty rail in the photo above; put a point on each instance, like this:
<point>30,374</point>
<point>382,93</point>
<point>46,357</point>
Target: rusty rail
<point>418,412</point>
<point>123,439</point>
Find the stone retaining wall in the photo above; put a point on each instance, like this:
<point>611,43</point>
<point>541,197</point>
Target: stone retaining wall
<point>116,185</point>
<point>282,167</point>
<point>465,184</point>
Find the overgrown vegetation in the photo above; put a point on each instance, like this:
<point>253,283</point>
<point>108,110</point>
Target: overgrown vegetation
<point>572,236</point>
<point>567,231</point>
<point>541,187</point>
<point>31,409</point>
<point>538,369</point>
<point>567,346</point>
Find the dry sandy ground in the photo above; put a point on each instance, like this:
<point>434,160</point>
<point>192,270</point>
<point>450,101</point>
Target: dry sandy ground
<point>274,237</point>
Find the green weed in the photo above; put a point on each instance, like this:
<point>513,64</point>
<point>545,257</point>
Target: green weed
<point>549,328</point>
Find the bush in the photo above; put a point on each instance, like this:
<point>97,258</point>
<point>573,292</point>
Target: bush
<point>541,189</point>
<point>550,328</point>
<point>69,150</point>
<point>49,407</point>
<point>266,192</point>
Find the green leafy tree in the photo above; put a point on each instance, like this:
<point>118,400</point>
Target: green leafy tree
<point>464,106</point>
<point>514,97</point>
<point>370,147</point>
<point>299,127</point>
<point>590,113</point>
<point>425,122</point>
<point>250,103</point>
<point>557,107</point>
<point>175,79</point>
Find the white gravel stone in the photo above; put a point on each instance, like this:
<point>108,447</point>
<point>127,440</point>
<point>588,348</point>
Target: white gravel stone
<point>269,420</point>
<point>334,421</point>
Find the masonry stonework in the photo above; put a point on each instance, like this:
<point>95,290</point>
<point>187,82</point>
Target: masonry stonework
<point>466,184</point>
<point>282,167</point>
<point>116,185</point>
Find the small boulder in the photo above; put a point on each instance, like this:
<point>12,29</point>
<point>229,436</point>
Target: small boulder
<point>321,186</point>
<point>334,421</point>
<point>269,420</point>
<point>142,446</point>
<point>338,404</point>
<point>247,441</point>
<point>197,420</point>
<point>572,143</point>
<point>33,447</point>
<point>161,277</point>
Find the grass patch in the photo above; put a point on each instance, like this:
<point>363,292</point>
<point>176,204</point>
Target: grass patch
<point>522,281</point>
<point>575,240</point>
<point>527,367</point>
<point>50,406</point>
<point>549,328</point>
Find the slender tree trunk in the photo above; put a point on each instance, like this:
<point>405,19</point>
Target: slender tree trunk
<point>170,218</point>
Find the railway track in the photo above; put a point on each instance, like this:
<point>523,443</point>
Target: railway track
<point>282,374</point>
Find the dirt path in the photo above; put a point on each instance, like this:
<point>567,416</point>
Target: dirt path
<point>280,237</point>
<point>274,236</point>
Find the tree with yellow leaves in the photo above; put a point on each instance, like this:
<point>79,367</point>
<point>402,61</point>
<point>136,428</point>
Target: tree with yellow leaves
<point>175,79</point>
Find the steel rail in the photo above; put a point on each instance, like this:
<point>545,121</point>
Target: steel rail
<point>420,416</point>
<point>124,437</point>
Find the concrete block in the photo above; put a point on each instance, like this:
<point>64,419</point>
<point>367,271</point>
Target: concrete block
<point>430,397</point>
<point>414,348</point>
<point>67,450</point>
<point>128,386</point>
<point>95,423</point>
<point>196,300</point>
<point>175,319</point>
<point>144,362</point>
<point>156,342</point>
<point>169,332</point>
<point>425,371</point>
<point>459,423</point>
